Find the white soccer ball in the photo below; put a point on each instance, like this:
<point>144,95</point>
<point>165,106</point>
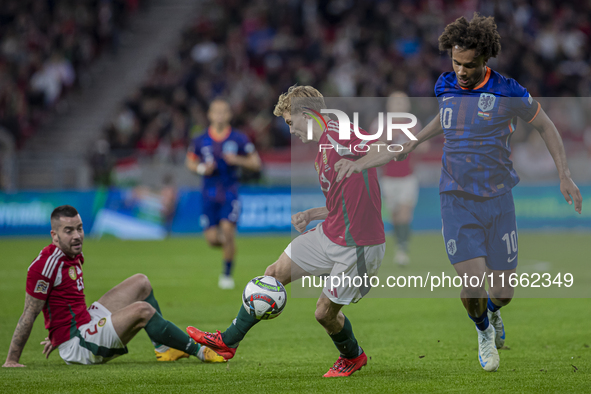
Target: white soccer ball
<point>264,297</point>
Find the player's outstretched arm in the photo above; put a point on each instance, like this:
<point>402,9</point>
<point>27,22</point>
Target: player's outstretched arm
<point>553,142</point>
<point>378,154</point>
<point>301,219</point>
<point>432,129</point>
<point>23,329</point>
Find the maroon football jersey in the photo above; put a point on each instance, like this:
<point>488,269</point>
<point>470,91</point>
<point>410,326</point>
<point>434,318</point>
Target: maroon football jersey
<point>354,204</point>
<point>57,279</point>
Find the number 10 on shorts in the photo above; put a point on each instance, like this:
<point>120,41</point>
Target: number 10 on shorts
<point>511,241</point>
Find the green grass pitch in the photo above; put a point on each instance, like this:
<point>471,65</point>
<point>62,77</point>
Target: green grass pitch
<point>414,344</point>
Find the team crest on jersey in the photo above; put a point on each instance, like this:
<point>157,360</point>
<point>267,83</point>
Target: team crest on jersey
<point>102,322</point>
<point>72,273</point>
<point>486,102</point>
<point>230,147</point>
<point>451,247</point>
<point>317,168</point>
<point>41,287</point>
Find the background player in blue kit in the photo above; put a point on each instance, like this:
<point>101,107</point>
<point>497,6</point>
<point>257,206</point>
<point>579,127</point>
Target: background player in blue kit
<point>216,155</point>
<point>478,111</point>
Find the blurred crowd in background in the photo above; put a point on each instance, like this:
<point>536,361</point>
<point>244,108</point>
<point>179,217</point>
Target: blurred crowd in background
<point>46,47</point>
<point>251,51</point>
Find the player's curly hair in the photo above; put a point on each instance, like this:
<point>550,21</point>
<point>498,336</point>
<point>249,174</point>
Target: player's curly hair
<point>313,99</point>
<point>480,34</point>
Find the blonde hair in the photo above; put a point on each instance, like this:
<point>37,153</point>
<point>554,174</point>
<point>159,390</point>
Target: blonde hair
<point>315,100</point>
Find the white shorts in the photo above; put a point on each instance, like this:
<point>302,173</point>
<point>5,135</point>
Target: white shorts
<point>400,191</point>
<point>95,342</point>
<point>315,253</point>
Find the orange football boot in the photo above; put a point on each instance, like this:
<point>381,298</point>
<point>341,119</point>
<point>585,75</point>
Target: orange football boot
<point>212,341</point>
<point>346,366</point>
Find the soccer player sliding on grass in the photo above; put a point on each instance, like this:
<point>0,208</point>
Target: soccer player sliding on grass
<point>101,332</point>
<point>478,109</point>
<point>349,242</point>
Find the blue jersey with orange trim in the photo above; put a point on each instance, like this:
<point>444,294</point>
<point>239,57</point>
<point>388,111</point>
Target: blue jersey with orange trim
<point>477,125</point>
<point>223,184</point>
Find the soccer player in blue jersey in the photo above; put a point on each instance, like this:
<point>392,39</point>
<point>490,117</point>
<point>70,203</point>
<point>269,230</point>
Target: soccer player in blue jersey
<point>478,111</point>
<point>217,155</point>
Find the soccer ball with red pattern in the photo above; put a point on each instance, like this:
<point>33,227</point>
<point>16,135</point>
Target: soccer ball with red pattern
<point>264,297</point>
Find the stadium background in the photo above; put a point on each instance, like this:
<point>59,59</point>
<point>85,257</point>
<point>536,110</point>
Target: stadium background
<point>98,100</point>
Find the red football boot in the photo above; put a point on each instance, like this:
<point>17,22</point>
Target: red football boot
<point>212,341</point>
<point>346,366</point>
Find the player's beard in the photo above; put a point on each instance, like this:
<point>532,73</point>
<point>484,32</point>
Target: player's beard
<point>69,248</point>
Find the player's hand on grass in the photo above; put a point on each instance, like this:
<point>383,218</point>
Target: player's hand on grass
<point>345,168</point>
<point>300,220</point>
<point>12,364</point>
<point>47,347</point>
<point>571,192</point>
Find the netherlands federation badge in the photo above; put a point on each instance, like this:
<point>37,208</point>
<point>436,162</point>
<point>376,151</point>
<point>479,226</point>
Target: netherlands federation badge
<point>230,147</point>
<point>451,247</point>
<point>486,102</point>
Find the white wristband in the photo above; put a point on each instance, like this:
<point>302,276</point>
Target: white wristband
<point>201,168</point>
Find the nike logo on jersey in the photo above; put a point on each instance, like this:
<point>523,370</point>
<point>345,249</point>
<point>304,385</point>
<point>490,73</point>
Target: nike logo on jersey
<point>511,259</point>
<point>447,98</point>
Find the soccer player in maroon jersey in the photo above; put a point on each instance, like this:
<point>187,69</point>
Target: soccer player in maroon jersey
<point>350,242</point>
<point>100,333</point>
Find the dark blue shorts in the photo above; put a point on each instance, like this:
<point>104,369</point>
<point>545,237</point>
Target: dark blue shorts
<point>476,226</point>
<point>214,212</point>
